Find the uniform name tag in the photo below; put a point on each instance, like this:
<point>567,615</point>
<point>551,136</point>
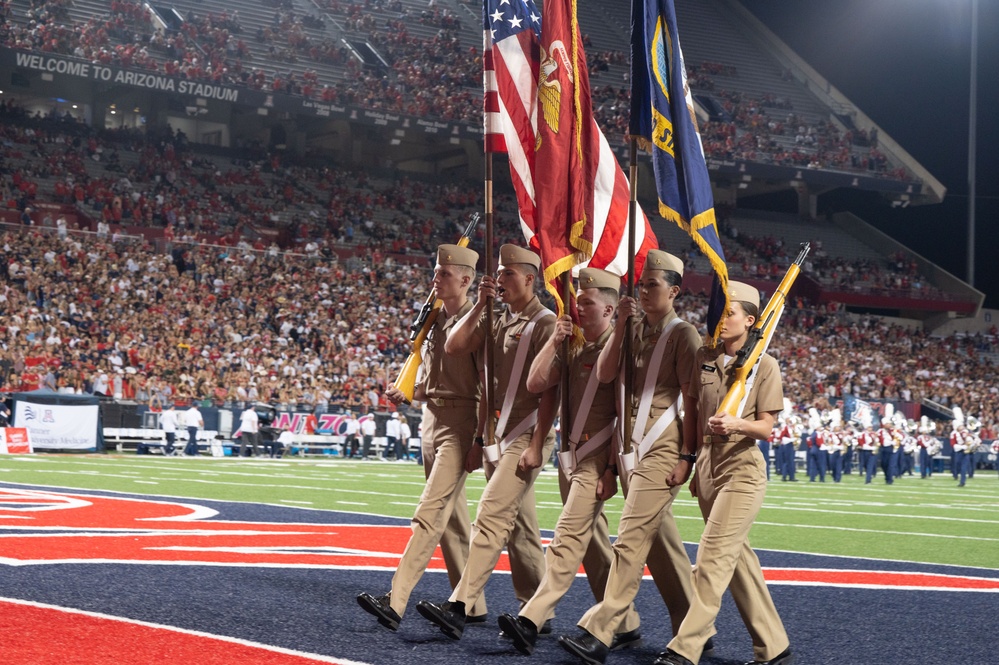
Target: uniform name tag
<point>708,368</point>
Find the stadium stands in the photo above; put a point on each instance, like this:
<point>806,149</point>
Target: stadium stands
<point>235,274</point>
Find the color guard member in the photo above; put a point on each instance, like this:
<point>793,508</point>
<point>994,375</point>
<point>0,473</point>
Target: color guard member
<point>450,387</point>
<point>506,516</point>
<point>730,485</point>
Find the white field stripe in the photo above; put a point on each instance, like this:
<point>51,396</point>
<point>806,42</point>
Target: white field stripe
<point>884,515</point>
<point>880,532</point>
<point>84,532</point>
<point>197,633</point>
<point>256,485</point>
<point>883,587</point>
<point>132,495</point>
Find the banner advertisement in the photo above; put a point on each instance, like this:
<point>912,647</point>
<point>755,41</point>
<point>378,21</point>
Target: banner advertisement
<point>14,441</point>
<point>60,427</point>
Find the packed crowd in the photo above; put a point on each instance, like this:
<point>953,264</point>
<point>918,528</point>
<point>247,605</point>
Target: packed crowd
<point>82,313</point>
<point>426,76</point>
<point>765,257</point>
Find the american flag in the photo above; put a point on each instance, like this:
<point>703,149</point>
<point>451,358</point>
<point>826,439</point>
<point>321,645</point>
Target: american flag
<point>511,59</point>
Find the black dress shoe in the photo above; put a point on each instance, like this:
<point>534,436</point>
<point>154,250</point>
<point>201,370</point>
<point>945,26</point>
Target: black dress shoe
<point>521,630</point>
<point>785,657</point>
<point>587,648</point>
<point>476,618</point>
<point>448,616</point>
<point>546,629</point>
<point>626,640</point>
<point>670,657</point>
<point>709,648</point>
<point>380,608</point>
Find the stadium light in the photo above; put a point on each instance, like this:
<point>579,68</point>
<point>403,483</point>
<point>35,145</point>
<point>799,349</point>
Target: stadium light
<point>972,122</point>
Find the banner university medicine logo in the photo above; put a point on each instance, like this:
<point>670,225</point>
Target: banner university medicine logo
<point>45,528</point>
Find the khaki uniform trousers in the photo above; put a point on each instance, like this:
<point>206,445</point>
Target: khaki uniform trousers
<point>507,517</point>
<point>726,560</point>
<point>647,526</point>
<point>442,513</point>
<point>581,536</point>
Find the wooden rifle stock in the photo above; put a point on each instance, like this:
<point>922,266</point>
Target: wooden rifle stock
<point>759,337</point>
<point>420,328</point>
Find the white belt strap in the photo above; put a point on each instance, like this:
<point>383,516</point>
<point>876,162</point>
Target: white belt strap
<point>648,391</point>
<point>523,346</point>
<point>519,361</point>
<point>570,456</point>
<point>494,451</point>
<point>568,459</point>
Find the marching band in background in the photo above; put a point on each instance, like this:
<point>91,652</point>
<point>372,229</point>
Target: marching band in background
<point>898,447</point>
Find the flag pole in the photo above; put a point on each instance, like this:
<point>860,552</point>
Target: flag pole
<point>565,424</point>
<point>627,351</point>
<point>488,269</point>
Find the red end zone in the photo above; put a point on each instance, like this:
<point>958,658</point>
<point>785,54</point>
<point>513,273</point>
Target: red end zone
<point>44,528</point>
<point>47,635</point>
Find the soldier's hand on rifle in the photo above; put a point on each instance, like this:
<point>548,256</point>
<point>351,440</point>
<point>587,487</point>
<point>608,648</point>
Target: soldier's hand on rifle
<point>395,395</point>
<point>724,424</point>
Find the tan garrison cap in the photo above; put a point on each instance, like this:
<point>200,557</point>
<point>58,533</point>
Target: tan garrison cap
<point>660,260</point>
<point>743,293</point>
<point>595,278</point>
<point>510,254</point>
<point>453,255</point>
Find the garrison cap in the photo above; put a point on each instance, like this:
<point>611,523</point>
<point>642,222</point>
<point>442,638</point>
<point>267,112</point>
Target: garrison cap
<point>595,278</point>
<point>510,254</point>
<point>453,255</point>
<point>657,259</point>
<point>743,293</point>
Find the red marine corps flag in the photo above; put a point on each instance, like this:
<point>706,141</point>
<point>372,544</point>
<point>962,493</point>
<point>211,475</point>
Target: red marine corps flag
<point>572,194</point>
<point>566,143</point>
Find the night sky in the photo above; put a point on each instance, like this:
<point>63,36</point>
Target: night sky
<point>907,65</point>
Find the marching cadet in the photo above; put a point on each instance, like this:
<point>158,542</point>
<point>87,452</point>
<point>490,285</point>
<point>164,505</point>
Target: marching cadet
<point>450,387</point>
<point>730,486</point>
<point>506,516</point>
<point>587,467</point>
<point>664,347</point>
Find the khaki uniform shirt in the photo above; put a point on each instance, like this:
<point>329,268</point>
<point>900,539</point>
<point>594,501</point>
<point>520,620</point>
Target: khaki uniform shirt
<point>449,377</point>
<point>677,362</point>
<point>709,383</point>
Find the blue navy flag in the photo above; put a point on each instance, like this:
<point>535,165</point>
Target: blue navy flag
<point>663,119</point>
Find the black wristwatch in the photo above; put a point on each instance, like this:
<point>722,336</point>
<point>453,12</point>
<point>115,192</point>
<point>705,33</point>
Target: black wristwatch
<point>690,458</point>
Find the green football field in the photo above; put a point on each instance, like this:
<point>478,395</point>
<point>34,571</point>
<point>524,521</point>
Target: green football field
<point>931,521</point>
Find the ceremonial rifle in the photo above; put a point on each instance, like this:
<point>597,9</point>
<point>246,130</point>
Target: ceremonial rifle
<point>420,328</point>
<point>759,337</point>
